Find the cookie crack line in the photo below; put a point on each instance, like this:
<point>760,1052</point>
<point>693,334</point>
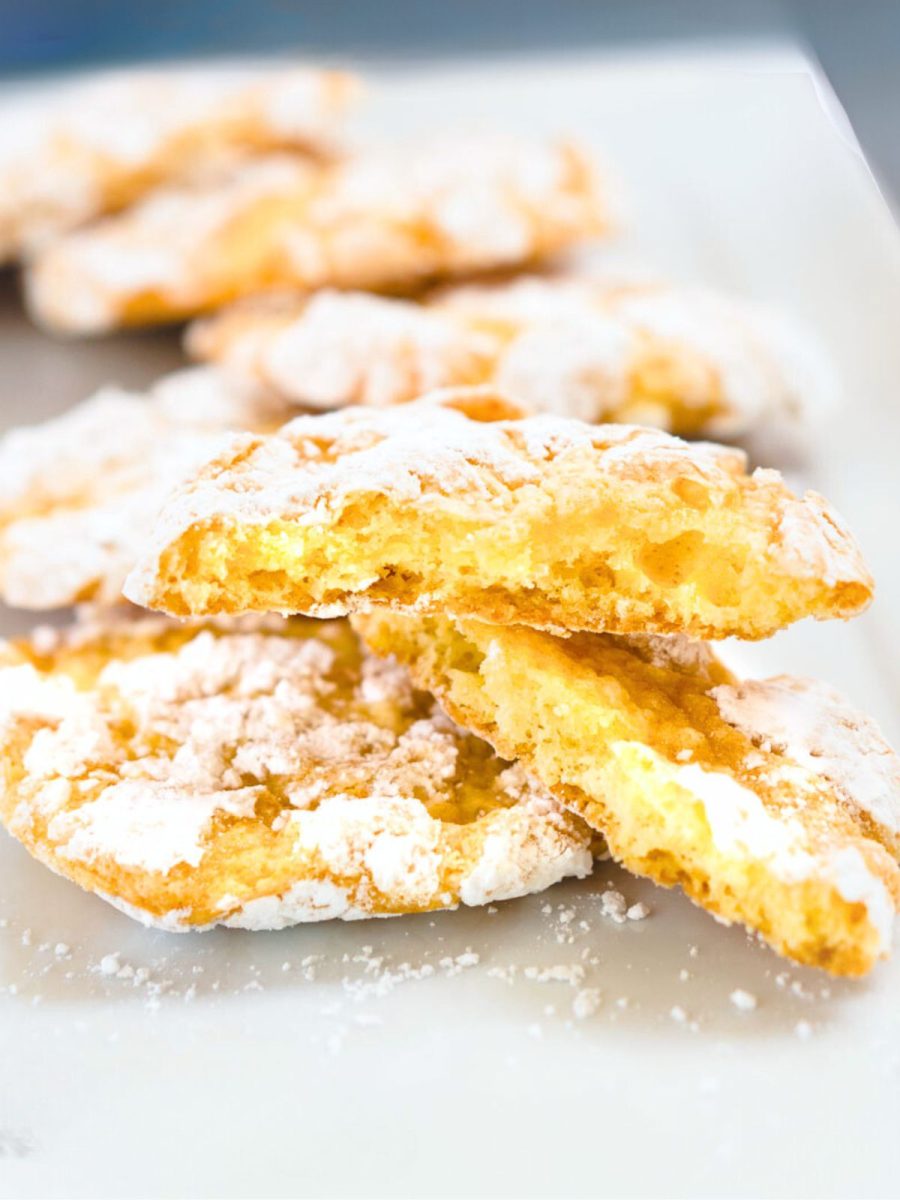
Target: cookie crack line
<point>549,522</point>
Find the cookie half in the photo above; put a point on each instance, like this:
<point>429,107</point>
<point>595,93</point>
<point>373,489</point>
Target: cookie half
<point>437,506</point>
<point>257,774</point>
<point>770,803</point>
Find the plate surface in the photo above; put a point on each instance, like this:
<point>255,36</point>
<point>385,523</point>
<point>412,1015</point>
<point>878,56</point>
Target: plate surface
<point>298,1063</point>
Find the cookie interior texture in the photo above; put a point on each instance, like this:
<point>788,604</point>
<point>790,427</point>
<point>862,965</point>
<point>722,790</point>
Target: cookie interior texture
<point>260,773</point>
<point>545,522</point>
<point>630,733</point>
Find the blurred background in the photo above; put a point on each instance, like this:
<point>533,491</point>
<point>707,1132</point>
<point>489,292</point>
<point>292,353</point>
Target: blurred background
<point>857,41</point>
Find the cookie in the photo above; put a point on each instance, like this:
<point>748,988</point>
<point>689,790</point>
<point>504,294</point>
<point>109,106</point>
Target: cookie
<point>79,493</point>
<point>334,349</point>
<point>74,152</point>
<point>770,803</point>
<point>380,220</point>
<point>544,521</point>
<point>259,774</point>
<point>692,362</point>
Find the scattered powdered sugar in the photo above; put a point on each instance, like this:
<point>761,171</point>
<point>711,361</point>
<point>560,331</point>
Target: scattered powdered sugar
<point>614,905</point>
<point>586,1003</point>
<point>743,1000</point>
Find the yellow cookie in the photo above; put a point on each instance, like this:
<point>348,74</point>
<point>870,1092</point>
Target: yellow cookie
<point>78,494</point>
<point>71,153</point>
<point>259,774</point>
<point>381,220</point>
<point>693,362</point>
<point>771,803</point>
<point>545,521</point>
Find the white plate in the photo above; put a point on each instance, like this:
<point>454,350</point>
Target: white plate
<point>245,1079</point>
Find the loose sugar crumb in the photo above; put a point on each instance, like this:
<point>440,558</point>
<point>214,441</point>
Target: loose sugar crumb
<point>745,1001</point>
<point>613,904</point>
<point>585,1003</point>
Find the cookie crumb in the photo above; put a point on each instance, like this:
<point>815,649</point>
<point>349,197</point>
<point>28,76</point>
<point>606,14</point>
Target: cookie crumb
<point>586,1003</point>
<point>612,904</point>
<point>743,1000</point>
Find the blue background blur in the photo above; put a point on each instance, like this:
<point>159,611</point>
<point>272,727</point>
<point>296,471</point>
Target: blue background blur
<point>858,41</point>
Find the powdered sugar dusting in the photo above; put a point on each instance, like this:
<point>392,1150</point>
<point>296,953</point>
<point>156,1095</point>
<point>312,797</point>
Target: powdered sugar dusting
<point>433,454</point>
<point>78,493</point>
<point>63,160</point>
<point>362,796</point>
<point>358,349</point>
<point>813,725</point>
<point>377,219</point>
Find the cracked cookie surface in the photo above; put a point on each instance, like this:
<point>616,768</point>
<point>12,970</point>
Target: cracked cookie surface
<point>771,802</point>
<point>260,773</point>
<point>696,363</point>
<point>382,220</point>
<point>437,506</point>
<point>73,152</point>
<point>78,493</point>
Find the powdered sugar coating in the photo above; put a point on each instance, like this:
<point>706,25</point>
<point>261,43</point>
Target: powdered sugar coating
<point>593,348</point>
<point>166,245</point>
<point>164,765</point>
<point>437,456</point>
<point>359,349</point>
<point>382,218</point>
<point>628,732</point>
<point>78,493</point>
<point>580,343</point>
<point>70,152</point>
<point>812,724</point>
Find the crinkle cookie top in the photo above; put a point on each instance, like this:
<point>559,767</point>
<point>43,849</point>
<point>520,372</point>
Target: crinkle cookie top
<point>690,361</point>
<point>70,152</point>
<point>258,773</point>
<point>382,218</point>
<point>448,452</point>
<point>78,493</point>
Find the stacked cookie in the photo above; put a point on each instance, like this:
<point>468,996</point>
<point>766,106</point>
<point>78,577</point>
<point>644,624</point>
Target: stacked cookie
<point>416,651</point>
<point>546,580</point>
